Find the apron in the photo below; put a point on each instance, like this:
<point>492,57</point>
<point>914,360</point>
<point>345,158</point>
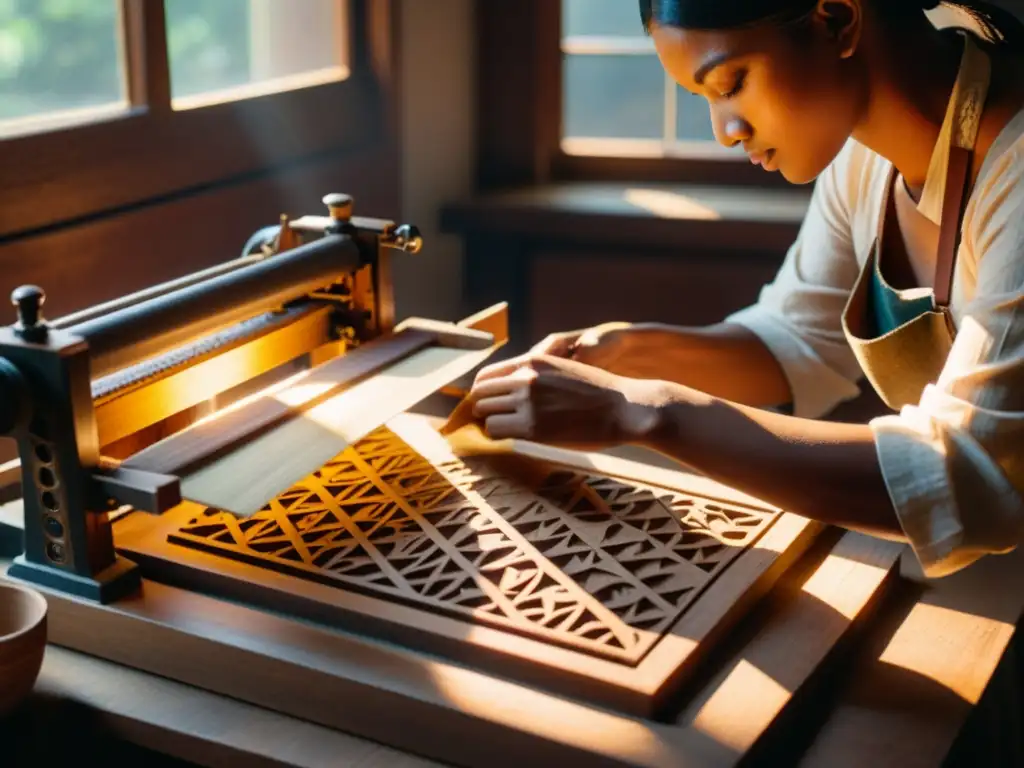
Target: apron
<point>901,360</point>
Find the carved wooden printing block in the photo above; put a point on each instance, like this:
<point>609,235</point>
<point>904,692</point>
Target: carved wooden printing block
<point>572,580</point>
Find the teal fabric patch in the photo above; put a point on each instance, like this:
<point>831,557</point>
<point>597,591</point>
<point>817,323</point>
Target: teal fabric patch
<point>890,310</point>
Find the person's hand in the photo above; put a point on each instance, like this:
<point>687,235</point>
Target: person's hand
<point>599,346</point>
<point>563,402</point>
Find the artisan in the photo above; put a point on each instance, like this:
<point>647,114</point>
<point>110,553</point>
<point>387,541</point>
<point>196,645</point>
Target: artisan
<point>908,272</point>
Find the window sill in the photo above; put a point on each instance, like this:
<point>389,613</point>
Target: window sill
<point>662,216</point>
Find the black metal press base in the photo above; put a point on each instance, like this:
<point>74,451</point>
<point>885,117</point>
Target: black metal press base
<point>12,541</point>
<point>121,579</point>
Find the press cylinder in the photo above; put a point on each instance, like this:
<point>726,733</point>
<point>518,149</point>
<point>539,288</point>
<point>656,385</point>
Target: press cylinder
<point>141,331</point>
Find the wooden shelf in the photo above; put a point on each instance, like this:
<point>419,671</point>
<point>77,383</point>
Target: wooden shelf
<point>663,216</point>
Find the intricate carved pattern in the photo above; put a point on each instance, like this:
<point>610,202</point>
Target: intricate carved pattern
<point>589,562</point>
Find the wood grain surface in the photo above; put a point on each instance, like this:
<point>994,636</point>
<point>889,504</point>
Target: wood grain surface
<point>205,729</point>
<point>453,713</point>
<point>586,584</point>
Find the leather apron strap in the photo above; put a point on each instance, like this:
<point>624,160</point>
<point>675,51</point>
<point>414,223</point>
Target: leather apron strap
<point>953,208</point>
<point>957,180</point>
<point>960,134</point>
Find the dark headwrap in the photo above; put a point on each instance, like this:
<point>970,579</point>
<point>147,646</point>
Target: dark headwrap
<point>720,14</point>
<point>995,23</point>
<point>732,14</point>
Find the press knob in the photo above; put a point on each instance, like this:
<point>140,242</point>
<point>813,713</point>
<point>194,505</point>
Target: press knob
<point>407,237</point>
<point>339,206</point>
<point>29,300</point>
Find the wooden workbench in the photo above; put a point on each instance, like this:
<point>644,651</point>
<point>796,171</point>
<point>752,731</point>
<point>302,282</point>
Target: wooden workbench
<point>908,691</point>
<point>911,697</point>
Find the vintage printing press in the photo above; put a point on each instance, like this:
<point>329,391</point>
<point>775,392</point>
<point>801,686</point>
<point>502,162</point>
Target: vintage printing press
<point>74,386</point>
<point>438,602</point>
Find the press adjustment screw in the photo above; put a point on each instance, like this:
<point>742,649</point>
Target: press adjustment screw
<point>29,300</point>
<point>339,206</point>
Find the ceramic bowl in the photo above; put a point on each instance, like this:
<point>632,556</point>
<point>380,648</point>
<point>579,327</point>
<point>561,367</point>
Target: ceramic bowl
<point>22,643</point>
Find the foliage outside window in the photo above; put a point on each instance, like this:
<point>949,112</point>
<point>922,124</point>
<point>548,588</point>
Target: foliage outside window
<point>62,59</point>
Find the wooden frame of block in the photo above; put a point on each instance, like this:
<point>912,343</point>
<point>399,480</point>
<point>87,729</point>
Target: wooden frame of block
<point>418,703</point>
<point>635,665</point>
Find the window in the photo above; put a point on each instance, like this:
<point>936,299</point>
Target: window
<point>236,48</point>
<point>63,62</point>
<point>169,95</point>
<point>59,63</point>
<point>572,91</point>
<point>617,99</point>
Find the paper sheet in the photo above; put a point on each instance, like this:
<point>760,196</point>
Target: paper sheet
<point>249,477</point>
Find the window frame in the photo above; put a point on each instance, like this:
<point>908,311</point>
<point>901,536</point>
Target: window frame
<point>668,145</point>
<point>520,92</point>
<point>149,152</point>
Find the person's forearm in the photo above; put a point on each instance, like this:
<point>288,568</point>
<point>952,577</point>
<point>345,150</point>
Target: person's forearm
<point>824,471</point>
<point>726,361</point>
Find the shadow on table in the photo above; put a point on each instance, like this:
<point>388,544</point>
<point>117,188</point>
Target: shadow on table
<point>49,731</point>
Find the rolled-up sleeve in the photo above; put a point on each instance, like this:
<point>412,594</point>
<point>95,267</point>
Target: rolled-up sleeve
<point>798,316</point>
<point>954,462</point>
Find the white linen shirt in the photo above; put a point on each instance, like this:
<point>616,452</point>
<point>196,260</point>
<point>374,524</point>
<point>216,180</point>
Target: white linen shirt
<point>954,462</point>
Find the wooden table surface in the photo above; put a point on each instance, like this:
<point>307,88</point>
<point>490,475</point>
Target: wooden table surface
<point>913,685</point>
<point>918,675</point>
<point>200,727</point>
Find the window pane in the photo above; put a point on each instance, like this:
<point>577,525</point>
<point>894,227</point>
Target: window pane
<point>601,17</point>
<point>619,97</point>
<point>60,61</point>
<point>234,48</point>
<point>693,117</point>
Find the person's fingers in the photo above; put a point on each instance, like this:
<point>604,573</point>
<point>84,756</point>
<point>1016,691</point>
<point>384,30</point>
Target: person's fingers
<point>587,354</point>
<point>556,345</point>
<point>525,365</point>
<point>505,425</point>
<point>590,336</point>
<point>500,404</point>
<point>592,345</point>
<point>501,383</point>
<point>501,369</point>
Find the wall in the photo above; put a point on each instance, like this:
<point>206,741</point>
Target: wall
<point>84,264</point>
<point>437,54</point>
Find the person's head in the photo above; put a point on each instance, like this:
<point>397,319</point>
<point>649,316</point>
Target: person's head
<point>786,79</point>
